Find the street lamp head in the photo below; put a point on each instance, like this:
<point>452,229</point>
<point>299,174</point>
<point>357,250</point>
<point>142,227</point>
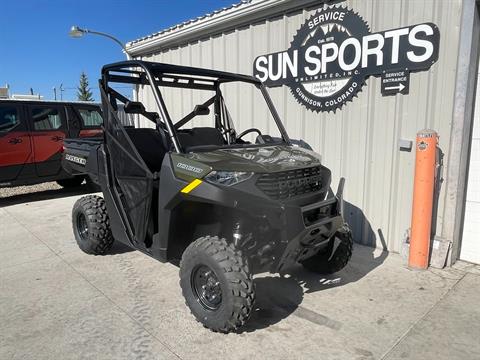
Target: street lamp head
<point>76,32</point>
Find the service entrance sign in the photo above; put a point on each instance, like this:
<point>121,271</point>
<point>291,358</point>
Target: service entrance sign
<point>395,82</point>
<point>334,52</point>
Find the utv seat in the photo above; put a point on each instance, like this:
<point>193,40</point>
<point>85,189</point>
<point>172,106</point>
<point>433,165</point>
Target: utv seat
<point>151,146</point>
<point>200,136</point>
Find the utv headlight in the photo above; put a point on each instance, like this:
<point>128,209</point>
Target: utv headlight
<point>227,178</point>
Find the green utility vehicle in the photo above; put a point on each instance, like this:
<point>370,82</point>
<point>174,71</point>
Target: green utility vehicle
<point>193,189</point>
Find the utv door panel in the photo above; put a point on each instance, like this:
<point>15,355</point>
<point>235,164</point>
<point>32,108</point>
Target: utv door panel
<point>133,181</point>
<point>15,145</point>
<point>47,123</point>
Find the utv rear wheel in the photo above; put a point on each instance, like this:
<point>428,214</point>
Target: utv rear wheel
<point>217,284</point>
<point>71,183</point>
<point>91,225</point>
<point>325,262</point>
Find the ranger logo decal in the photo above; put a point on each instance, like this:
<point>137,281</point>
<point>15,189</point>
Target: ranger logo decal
<point>189,168</point>
<point>76,159</point>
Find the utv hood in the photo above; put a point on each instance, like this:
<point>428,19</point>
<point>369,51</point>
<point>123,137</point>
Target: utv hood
<point>264,159</point>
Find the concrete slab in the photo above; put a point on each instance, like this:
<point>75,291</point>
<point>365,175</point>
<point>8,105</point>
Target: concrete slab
<point>451,330</point>
<point>13,234</point>
<point>49,311</point>
<point>18,244</point>
<point>127,305</point>
<point>49,221</point>
<point>467,267</point>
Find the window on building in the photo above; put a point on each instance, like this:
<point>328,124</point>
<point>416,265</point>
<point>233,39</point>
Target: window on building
<point>91,118</point>
<point>8,118</point>
<point>46,119</point>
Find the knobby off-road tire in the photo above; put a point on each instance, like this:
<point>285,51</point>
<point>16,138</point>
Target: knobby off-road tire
<point>325,262</point>
<point>91,225</point>
<point>71,183</point>
<point>225,300</point>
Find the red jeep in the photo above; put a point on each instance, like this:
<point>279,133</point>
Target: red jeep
<point>31,139</point>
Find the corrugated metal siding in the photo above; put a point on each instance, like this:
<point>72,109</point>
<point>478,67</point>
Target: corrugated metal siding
<point>359,142</point>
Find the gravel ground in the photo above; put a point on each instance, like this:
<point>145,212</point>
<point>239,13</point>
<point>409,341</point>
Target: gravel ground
<point>20,190</point>
<point>45,191</point>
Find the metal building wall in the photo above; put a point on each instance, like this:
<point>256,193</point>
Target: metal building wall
<point>360,142</point>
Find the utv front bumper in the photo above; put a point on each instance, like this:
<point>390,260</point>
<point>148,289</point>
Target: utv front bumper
<point>274,235</point>
<point>302,239</point>
<point>306,230</point>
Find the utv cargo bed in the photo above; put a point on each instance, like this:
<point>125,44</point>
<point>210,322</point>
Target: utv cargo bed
<point>80,157</point>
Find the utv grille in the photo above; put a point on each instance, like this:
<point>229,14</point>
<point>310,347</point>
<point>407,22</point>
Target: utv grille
<point>289,184</point>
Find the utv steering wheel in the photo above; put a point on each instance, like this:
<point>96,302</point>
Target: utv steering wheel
<point>248,131</point>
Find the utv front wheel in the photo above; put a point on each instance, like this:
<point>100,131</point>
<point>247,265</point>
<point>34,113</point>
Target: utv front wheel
<point>91,225</point>
<point>217,284</point>
<point>331,260</point>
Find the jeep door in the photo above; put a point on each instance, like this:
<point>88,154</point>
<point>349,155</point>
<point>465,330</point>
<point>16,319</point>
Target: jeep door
<point>48,129</point>
<point>90,119</point>
<point>15,145</point>
<point>84,121</point>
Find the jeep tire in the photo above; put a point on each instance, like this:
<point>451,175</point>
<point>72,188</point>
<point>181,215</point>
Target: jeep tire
<point>217,284</point>
<point>324,262</point>
<point>71,182</point>
<point>91,225</point>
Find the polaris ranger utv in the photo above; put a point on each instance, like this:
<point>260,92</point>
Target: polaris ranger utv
<point>224,204</point>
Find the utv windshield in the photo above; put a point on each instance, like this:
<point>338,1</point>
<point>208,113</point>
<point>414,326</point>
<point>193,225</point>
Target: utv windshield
<point>237,114</point>
<point>200,109</point>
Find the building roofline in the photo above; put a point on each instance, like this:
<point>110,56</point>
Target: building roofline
<point>246,11</point>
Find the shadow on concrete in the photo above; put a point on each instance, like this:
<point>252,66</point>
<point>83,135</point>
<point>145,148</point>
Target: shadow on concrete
<point>46,195</point>
<point>439,260</point>
<point>281,296</point>
<point>119,248</point>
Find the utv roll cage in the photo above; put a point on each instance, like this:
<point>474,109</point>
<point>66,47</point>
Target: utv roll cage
<point>155,75</point>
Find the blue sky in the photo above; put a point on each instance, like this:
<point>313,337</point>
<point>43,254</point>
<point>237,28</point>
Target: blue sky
<point>36,51</point>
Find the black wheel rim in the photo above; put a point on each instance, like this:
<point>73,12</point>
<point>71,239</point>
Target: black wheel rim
<point>206,287</point>
<point>82,226</point>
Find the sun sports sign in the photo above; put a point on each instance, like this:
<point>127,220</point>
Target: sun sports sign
<point>334,52</point>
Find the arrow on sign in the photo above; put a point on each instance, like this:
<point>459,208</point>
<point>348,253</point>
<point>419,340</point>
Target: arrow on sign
<point>399,87</point>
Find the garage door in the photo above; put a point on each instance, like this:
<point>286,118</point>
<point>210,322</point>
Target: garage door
<point>471,231</point>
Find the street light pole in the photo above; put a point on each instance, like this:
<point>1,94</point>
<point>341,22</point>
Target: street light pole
<point>77,32</point>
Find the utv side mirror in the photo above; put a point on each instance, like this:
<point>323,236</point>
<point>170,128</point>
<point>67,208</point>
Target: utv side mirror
<point>201,110</point>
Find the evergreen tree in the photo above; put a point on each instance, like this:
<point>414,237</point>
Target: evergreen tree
<point>84,93</point>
